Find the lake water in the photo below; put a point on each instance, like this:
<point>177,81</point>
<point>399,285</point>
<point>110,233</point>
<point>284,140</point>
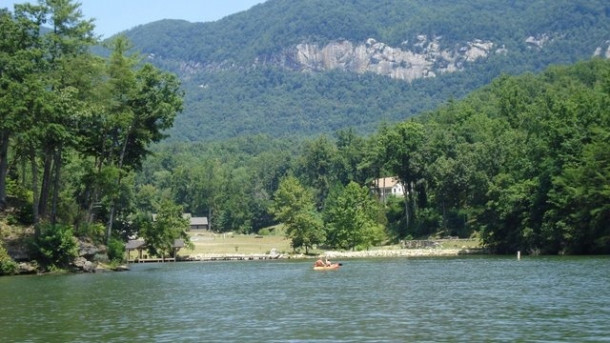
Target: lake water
<point>466,299</point>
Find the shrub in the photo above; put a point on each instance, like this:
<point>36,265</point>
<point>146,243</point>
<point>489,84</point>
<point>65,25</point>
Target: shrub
<point>56,246</point>
<point>7,265</point>
<point>116,250</point>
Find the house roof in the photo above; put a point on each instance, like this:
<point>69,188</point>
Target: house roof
<point>133,244</point>
<point>386,182</point>
<point>192,220</point>
<point>199,220</point>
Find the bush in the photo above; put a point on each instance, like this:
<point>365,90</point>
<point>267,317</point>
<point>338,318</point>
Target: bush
<point>56,247</point>
<point>116,250</point>
<point>7,265</point>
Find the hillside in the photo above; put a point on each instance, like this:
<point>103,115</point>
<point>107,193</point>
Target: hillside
<point>305,67</point>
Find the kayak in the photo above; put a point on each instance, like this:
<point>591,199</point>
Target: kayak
<point>331,267</point>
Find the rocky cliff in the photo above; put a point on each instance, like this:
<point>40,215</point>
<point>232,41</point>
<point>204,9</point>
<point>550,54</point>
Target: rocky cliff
<point>422,59</point>
<point>425,58</point>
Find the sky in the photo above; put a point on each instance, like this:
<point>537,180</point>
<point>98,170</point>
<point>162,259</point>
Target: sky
<point>114,16</point>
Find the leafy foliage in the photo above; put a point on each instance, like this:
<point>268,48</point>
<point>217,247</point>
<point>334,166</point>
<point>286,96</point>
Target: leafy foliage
<point>7,265</point>
<point>168,226</point>
<point>116,250</point>
<point>56,247</point>
<point>352,219</point>
<point>294,207</point>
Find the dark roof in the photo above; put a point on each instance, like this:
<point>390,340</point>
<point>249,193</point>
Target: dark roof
<point>199,220</point>
<point>134,244</point>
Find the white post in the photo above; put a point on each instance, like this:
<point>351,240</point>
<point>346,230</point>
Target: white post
<point>519,255</point>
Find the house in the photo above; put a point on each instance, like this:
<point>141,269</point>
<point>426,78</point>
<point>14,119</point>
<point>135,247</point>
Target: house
<point>195,223</point>
<point>388,186</point>
<point>199,223</point>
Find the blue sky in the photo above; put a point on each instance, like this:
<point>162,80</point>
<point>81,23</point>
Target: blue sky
<point>114,16</point>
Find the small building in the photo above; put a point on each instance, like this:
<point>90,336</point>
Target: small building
<point>140,246</point>
<point>198,223</point>
<point>388,186</point>
<point>135,244</point>
<point>195,223</point>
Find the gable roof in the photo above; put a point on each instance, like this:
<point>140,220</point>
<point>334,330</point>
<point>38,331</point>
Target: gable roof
<point>199,220</point>
<point>133,244</point>
<point>192,220</point>
<point>386,182</point>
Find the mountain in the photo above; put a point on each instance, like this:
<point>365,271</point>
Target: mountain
<point>307,67</point>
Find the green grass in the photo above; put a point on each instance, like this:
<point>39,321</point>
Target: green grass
<point>217,243</point>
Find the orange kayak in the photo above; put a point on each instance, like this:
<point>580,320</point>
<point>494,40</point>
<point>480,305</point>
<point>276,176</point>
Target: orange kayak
<point>331,267</point>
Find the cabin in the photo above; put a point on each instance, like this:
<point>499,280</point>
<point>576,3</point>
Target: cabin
<point>140,245</point>
<point>198,223</point>
<point>388,186</point>
<point>195,223</point>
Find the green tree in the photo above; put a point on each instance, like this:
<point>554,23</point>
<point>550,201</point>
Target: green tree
<point>19,79</point>
<point>168,226</point>
<point>66,46</point>
<point>141,102</point>
<point>293,206</point>
<point>316,167</point>
<point>403,151</point>
<point>352,219</point>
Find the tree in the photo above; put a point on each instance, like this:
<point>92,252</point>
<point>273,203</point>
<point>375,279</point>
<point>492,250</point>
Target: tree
<point>66,46</point>
<point>293,206</point>
<point>19,78</point>
<point>352,219</point>
<point>168,226</point>
<point>317,167</point>
<point>403,151</point>
<point>141,104</point>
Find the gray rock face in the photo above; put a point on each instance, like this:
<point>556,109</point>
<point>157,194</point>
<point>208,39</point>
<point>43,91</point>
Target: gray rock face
<point>426,59</point>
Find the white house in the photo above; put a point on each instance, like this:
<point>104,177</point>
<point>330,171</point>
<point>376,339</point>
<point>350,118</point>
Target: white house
<point>388,186</point>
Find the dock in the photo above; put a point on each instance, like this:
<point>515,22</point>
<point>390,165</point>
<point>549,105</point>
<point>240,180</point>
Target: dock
<point>254,257</point>
<point>152,260</point>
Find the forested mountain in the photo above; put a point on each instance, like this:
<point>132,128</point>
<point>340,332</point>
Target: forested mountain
<point>289,67</point>
<point>522,162</point>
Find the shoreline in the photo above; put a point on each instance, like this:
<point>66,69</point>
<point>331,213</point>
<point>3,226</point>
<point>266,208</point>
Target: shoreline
<point>379,253</point>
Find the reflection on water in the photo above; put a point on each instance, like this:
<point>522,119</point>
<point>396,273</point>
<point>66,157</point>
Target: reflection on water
<point>456,299</point>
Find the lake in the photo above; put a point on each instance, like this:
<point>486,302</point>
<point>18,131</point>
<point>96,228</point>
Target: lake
<point>462,299</point>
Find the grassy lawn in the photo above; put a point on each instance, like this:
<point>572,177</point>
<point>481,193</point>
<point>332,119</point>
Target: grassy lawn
<point>217,243</point>
<point>206,242</point>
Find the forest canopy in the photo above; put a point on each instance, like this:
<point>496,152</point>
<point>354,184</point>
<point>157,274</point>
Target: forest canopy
<point>522,163</point>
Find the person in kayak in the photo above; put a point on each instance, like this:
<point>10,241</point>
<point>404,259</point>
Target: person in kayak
<point>320,263</point>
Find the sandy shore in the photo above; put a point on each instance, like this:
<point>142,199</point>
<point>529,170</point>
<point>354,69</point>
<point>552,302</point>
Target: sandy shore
<point>381,253</point>
<point>401,253</point>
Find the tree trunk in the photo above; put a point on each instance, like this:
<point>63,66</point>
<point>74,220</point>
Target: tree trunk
<point>46,183</point>
<point>4,139</point>
<point>407,201</point>
<point>35,199</point>
<point>113,205</point>
<point>57,163</point>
